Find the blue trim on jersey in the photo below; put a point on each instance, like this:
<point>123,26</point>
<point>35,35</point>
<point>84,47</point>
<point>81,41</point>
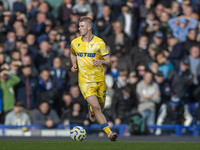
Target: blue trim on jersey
<point>105,55</point>
<point>104,125</point>
<point>92,38</point>
<point>89,41</point>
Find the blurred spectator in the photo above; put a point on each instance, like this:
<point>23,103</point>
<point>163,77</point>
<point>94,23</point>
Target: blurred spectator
<point>45,116</point>
<point>7,22</point>
<point>194,61</point>
<point>77,97</point>
<point>152,50</point>
<point>60,76</point>
<point>181,25</point>
<point>37,25</point>
<point>165,90</point>
<point>45,8</point>
<point>32,8</point>
<point>153,67</point>
<point>121,79</point>
<point>18,6</point>
<point>15,55</point>
<point>62,42</point>
<point>197,122</point>
<point>133,81</point>
<point>64,11</point>
<point>83,8</point>
<point>2,59</point>
<point>164,65</point>
<point>118,38</point>
<point>27,61</point>
<point>76,116</point>
<point>51,38</point>
<point>173,113</point>
<point>66,63</point>
<point>143,9</point>
<point>148,95</point>
<point>164,27</point>
<point>27,89</point>
<point>66,104</point>
<point>97,7</point>
<point>32,46</point>
<point>129,22</point>
<point>141,70</point>
<point>24,51</point>
<point>17,117</point>
<point>19,42</point>
<point>191,40</point>
<point>164,86</point>
<point>159,8</point>
<point>109,94</point>
<point>114,71</point>
<point>72,28</point>
<point>180,79</point>
<point>176,50</point>
<point>54,8</point>
<point>124,60</point>
<point>139,52</point>
<point>175,9</point>
<point>14,66</point>
<point>47,87</point>
<point>147,26</point>
<point>7,83</point>
<point>9,44</point>
<point>158,39</point>
<point>44,57</point>
<point>198,33</point>
<point>1,11</point>
<point>104,24</point>
<point>122,105</point>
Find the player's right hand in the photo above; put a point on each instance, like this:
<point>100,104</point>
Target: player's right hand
<point>74,68</point>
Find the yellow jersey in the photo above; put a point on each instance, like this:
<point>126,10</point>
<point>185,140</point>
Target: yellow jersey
<point>86,52</point>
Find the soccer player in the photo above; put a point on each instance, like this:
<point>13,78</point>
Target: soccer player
<point>88,54</point>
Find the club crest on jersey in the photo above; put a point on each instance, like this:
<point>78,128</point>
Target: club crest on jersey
<point>78,44</point>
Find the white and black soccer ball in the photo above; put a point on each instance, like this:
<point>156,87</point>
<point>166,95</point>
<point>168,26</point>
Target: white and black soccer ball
<point>78,133</point>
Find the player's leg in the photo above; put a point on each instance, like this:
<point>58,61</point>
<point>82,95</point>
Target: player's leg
<point>91,112</point>
<point>96,107</point>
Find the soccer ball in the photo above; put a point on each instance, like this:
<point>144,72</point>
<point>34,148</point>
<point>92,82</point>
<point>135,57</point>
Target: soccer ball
<point>78,133</point>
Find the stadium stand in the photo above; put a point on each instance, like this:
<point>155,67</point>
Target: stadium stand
<point>155,72</point>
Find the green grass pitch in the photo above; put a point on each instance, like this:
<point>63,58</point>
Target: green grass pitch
<point>94,145</point>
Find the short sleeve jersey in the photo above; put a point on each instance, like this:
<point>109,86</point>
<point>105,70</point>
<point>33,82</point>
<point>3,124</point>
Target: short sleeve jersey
<point>86,52</point>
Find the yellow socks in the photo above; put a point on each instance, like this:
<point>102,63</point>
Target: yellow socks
<point>106,128</point>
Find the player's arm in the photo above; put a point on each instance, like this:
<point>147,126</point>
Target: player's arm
<point>105,53</point>
<point>106,61</point>
<point>74,62</point>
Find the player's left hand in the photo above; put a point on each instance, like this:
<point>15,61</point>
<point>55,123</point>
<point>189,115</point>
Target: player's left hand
<point>97,62</point>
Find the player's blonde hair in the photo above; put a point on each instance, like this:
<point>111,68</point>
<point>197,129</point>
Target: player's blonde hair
<point>87,20</point>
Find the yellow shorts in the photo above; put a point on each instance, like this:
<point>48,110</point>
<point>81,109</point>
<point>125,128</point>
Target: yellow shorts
<point>94,88</point>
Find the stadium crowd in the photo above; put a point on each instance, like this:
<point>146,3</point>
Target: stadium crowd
<point>155,54</point>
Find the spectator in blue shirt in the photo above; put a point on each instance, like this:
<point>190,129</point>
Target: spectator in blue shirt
<point>18,6</point>
<point>181,25</point>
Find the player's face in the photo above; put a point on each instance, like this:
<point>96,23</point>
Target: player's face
<point>83,28</point>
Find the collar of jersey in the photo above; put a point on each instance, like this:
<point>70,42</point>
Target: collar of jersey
<point>90,39</point>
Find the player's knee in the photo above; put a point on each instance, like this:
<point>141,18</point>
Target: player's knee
<point>96,107</point>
